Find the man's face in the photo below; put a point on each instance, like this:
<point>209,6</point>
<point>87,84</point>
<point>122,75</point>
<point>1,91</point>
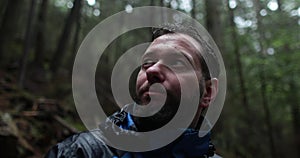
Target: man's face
<point>171,61</point>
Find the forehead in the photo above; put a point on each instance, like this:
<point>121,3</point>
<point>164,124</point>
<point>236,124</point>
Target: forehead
<point>179,39</point>
<point>176,43</point>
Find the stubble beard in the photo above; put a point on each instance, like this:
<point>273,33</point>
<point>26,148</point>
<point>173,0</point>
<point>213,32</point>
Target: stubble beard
<point>159,119</point>
<point>166,113</point>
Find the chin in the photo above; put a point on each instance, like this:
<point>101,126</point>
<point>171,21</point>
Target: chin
<point>158,120</point>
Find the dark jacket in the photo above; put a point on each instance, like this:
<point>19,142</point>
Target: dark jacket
<point>86,145</point>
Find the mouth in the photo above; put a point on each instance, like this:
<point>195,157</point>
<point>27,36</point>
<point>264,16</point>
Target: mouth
<point>152,91</point>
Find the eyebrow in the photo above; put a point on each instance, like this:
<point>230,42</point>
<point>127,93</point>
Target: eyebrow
<point>176,53</point>
<point>193,63</point>
<point>147,54</point>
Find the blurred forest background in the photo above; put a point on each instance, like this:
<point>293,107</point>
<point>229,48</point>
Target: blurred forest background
<point>259,41</point>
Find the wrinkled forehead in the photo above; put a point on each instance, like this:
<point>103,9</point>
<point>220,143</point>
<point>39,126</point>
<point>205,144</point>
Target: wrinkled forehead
<point>180,39</point>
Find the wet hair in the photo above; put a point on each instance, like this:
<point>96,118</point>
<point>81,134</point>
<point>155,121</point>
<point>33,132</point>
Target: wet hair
<point>207,50</point>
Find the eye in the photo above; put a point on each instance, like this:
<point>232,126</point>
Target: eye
<point>177,63</point>
<point>147,63</point>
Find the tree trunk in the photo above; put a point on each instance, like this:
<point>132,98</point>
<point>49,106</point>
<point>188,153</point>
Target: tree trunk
<point>263,81</point>
<point>279,2</point>
<point>64,39</point>
<point>75,44</point>
<point>161,3</point>
<point>2,8</point>
<point>193,12</point>
<point>265,104</point>
<point>241,78</point>
<point>40,37</point>
<point>27,44</point>
<point>151,2</point>
<point>8,24</point>
<point>295,111</point>
<point>214,21</point>
<point>246,118</point>
<point>38,67</point>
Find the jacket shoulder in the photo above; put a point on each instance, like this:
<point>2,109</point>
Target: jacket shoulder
<point>80,145</point>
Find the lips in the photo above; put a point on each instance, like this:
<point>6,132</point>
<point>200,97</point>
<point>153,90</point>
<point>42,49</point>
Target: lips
<point>152,93</point>
<point>142,90</point>
<point>146,90</point>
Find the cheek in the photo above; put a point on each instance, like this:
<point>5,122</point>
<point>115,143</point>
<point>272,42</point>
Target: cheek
<point>189,83</point>
<point>172,84</point>
<point>141,78</point>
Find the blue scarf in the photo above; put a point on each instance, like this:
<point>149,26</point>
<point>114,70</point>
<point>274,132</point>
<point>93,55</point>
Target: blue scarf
<point>187,146</point>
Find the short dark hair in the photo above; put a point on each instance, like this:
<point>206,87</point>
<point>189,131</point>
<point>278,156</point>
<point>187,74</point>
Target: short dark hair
<point>194,33</point>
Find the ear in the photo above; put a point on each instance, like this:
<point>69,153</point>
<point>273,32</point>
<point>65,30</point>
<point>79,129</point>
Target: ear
<point>210,92</point>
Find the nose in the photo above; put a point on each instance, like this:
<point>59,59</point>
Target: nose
<point>156,73</point>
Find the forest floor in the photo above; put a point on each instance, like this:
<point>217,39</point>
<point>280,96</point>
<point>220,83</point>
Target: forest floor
<point>30,124</point>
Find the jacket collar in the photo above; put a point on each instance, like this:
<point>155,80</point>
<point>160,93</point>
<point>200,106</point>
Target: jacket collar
<point>189,144</point>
